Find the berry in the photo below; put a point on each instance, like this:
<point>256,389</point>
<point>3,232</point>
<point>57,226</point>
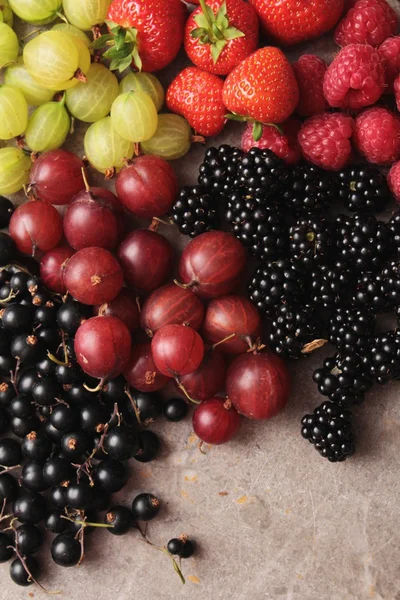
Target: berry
<point>309,190</point>
<point>384,357</point>
<point>29,507</point>
<point>175,409</point>
<point>393,179</point>
<point>344,379</point>
<point>396,87</point>
<point>188,549</point>
<point>111,475</point>
<point>79,495</point>
<point>54,522</point>
<point>36,446</point>
<point>195,211</point>
<point>293,328</point>
<point>175,546</point>
<point>149,445</point>
<point>355,78</point>
<point>6,551</point>
<point>218,171</point>
<point>120,518</point>
<point>310,71</point>
<point>46,391</point>
<point>274,283</point>
<point>205,111</point>
<point>257,223</point>
<point>363,242</point>
<point>221,41</point>
<point>282,142</point>
<point>71,315</point>
<point>6,211</point>
<point>389,51</point>
<point>329,285</point>
<point>28,539</point>
<point>390,284</point>
<point>351,329</point>
<point>329,430</point>
<point>66,550</point>
<point>10,452</point>
<point>145,507</point>
<point>261,171</point>
<point>325,140</point>
<point>311,241</point>
<point>363,188</point>
<point>271,92</point>
<point>377,135</point>
<point>368,293</point>
<point>367,22</point>
<point>120,443</point>
<point>20,575</point>
<point>9,488</point>
<point>297,21</point>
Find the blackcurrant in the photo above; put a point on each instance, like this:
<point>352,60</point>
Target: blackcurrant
<point>114,390</point>
<point>121,443</point>
<point>19,574</point>
<point>68,374</point>
<point>187,549</point>
<point>145,507</point>
<point>26,348</point>
<point>6,543</point>
<point>22,406</point>
<point>58,497</point>
<point>7,393</point>
<point>148,405</point>
<point>10,452</point>
<point>9,488</point>
<point>8,249</point>
<point>79,495</point>
<point>32,477</point>
<point>149,445</point>
<point>93,417</point>
<point>175,546</point>
<point>55,523</point>
<point>18,281</point>
<point>37,446</point>
<point>63,417</point>
<point>77,394</point>
<point>6,211</point>
<point>46,367</point>
<point>71,315</point>
<point>111,475</point>
<point>21,427</point>
<point>4,420</point>
<point>175,409</point>
<point>120,517</point>
<point>29,507</point>
<point>17,318</point>
<point>7,364</point>
<point>46,391</point>
<point>66,550</point>
<point>49,338</point>
<point>56,470</point>
<point>26,381</point>
<point>28,538</point>
<point>74,445</point>
<point>52,433</point>
<point>45,316</point>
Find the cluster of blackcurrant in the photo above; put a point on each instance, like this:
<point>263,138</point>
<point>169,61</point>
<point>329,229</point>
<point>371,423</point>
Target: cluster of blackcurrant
<point>71,436</point>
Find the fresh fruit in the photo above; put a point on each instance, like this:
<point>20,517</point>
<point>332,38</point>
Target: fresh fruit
<point>367,22</point>
<point>325,140</point>
<point>6,211</point>
<point>145,507</point>
<point>215,421</point>
<point>311,241</point>
<point>153,31</point>
<point>35,226</point>
<point>171,140</point>
<point>55,60</point>
<point>355,78</point>
<point>17,76</point>
<point>297,21</point>
<point>396,87</point>
<point>177,350</point>
<point>263,87</point>
<point>389,51</point>
<point>120,518</point>
<point>205,111</point>
<point>309,190</point>
<point>377,135</point>
<point>219,169</point>
<point>134,116</point>
<point>93,276</point>
<point>275,282</point>
<point>384,356</point>
<point>258,385</point>
<point>195,211</point>
<point>220,34</point>
<point>86,13</point>
<point>123,307</point>
<point>6,14</point>
<point>144,82</point>
<point>282,142</point>
<point>103,347</point>
<point>146,259</point>
<point>293,330</point>
<point>344,379</point>
<point>147,187</point>
<point>212,264</point>
<point>310,71</point>
<point>175,410</point>
<point>105,149</point>
<point>52,268</point>
<point>91,100</point>
<point>9,46</point>
<point>66,550</point>
<point>351,330</point>
<point>364,188</point>
<point>56,177</point>
<point>36,12</point>
<point>393,179</point>
<point>182,547</point>
<point>19,574</point>
<point>14,110</point>
<point>48,127</point>
<point>141,372</point>
<point>75,32</point>
<point>15,166</point>
<point>207,380</point>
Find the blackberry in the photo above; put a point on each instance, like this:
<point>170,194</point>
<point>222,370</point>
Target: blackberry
<point>275,283</point>
<point>195,211</point>
<point>218,171</point>
<point>344,378</point>
<point>311,241</point>
<point>368,293</point>
<point>363,188</point>
<point>329,285</point>
<point>309,190</point>
<point>351,329</point>
<point>329,430</point>
<point>262,171</point>
<point>363,242</point>
<point>293,327</point>
<point>257,223</point>
<point>394,226</point>
<point>384,356</point>
<point>390,284</point>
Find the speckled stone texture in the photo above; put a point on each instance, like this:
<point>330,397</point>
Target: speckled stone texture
<point>273,521</point>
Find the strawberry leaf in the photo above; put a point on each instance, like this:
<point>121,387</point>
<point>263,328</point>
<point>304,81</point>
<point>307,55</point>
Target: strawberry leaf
<point>136,58</point>
<point>201,21</point>
<point>232,33</point>
<point>115,54</point>
<point>102,41</point>
<point>221,17</point>
<point>217,48</point>
<point>125,63</point>
<point>257,131</point>
<point>112,26</point>
<point>198,33</point>
<point>235,117</point>
<point>120,39</point>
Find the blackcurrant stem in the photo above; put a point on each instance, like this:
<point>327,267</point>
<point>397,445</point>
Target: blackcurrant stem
<point>54,359</point>
<point>14,375</point>
<point>134,406</point>
<point>31,577</point>
<point>229,337</point>
<point>97,388</point>
<point>200,447</point>
<point>3,508</point>
<point>8,469</point>
<point>161,549</point>
<point>10,296</point>
<point>82,543</point>
<point>88,523</point>
<point>5,517</point>
<point>183,390</point>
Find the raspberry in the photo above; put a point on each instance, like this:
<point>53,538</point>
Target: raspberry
<point>390,54</point>
<point>355,78</point>
<point>325,140</point>
<point>310,71</point>
<point>394,180</point>
<point>377,135</point>
<point>396,87</point>
<point>284,145</point>
<point>368,22</point>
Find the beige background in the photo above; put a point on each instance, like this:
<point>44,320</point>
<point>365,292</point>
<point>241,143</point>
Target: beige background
<point>273,521</point>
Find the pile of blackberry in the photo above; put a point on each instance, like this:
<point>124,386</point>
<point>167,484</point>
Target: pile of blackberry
<point>65,443</point>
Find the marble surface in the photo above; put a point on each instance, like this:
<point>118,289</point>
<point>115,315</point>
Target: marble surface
<point>273,521</point>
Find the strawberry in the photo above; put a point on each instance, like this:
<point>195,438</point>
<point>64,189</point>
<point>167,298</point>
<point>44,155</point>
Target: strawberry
<point>262,88</point>
<point>293,21</point>
<point>197,96</point>
<point>146,33</point>
<point>220,34</point>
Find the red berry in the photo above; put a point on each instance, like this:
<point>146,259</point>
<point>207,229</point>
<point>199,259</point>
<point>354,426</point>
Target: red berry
<point>124,307</point>
<point>325,140</point>
<point>284,144</point>
<point>56,176</point>
<point>215,421</point>
<point>52,268</point>
<point>310,71</point>
<point>355,78</point>
<point>177,350</point>
<point>368,22</point>
<point>36,226</point>
<point>141,372</point>
<point>389,51</point>
<point>207,380</point>
<point>396,88</point>
<point>394,180</point>
<point>377,135</point>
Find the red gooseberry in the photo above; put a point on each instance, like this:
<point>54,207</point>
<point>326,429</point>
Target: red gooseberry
<point>177,350</point>
<point>207,380</point>
<point>124,307</point>
<point>36,226</point>
<point>56,177</point>
<point>215,421</point>
<point>141,372</point>
<point>52,268</point>
<point>93,276</point>
<point>258,385</point>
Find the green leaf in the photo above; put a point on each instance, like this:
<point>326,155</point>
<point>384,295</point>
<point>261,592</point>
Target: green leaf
<point>101,42</point>
<point>136,58</point>
<point>221,17</point>
<point>125,63</point>
<point>235,117</point>
<point>198,33</point>
<point>217,33</point>
<point>217,48</point>
<point>114,65</point>
<point>111,25</point>
<point>210,13</point>
<point>120,39</point>
<point>232,33</point>
<point>115,54</point>
<point>201,21</point>
<point>257,131</point>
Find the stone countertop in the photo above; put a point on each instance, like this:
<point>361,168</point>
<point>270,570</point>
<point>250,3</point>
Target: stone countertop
<point>273,520</point>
